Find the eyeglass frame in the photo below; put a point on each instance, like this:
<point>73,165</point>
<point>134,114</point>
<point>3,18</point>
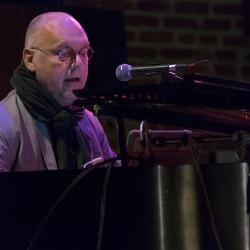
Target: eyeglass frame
<point>71,60</point>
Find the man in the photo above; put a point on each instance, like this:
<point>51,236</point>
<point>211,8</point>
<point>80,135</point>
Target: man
<point>39,127</point>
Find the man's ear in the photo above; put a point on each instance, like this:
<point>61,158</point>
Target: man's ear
<point>28,59</point>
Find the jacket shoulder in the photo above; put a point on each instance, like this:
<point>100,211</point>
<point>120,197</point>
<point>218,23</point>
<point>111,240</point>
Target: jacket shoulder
<point>9,112</point>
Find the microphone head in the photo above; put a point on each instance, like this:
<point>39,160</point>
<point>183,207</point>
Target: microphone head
<point>123,72</point>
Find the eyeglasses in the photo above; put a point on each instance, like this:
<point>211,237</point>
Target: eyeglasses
<point>68,55</point>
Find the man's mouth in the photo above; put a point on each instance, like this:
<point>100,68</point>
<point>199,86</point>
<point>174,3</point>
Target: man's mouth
<point>72,79</point>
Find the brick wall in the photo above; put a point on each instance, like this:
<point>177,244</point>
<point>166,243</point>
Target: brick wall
<point>179,31</point>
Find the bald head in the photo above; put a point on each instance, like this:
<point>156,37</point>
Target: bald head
<point>55,50</point>
<point>48,25</point>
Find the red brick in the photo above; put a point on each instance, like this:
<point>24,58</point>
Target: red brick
<point>158,6</point>
<point>187,38</point>
<point>247,58</point>
<point>209,39</point>
<point>142,21</point>
<point>176,53</point>
<point>204,53</point>
<point>228,9</point>
<point>224,70</point>
<point>130,36</point>
<point>192,8</point>
<point>226,55</point>
<point>216,24</point>
<point>240,24</point>
<point>179,22</point>
<point>238,41</point>
<point>141,52</point>
<point>164,37</point>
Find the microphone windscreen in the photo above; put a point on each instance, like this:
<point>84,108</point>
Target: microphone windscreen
<point>123,72</point>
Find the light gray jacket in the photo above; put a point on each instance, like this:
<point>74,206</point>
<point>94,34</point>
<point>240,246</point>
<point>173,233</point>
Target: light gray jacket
<point>25,143</point>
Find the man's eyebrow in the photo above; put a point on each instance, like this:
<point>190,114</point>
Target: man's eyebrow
<point>63,44</point>
<point>60,46</point>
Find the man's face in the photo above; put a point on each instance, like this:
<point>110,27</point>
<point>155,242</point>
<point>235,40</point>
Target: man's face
<point>54,74</point>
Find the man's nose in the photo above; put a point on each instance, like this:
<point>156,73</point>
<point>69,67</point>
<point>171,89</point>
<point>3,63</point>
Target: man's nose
<point>80,60</point>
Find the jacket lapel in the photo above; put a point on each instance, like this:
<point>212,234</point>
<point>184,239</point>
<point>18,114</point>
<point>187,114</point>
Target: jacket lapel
<point>46,146</point>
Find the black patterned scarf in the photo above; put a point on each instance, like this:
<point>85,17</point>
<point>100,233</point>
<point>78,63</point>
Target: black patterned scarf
<point>60,121</point>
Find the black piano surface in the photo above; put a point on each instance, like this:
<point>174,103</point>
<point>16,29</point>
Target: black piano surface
<point>146,208</point>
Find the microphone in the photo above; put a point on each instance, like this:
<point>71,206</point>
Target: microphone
<point>126,72</point>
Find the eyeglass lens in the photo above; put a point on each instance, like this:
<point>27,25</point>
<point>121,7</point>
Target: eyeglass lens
<point>68,54</point>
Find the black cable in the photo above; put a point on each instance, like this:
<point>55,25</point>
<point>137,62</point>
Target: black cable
<point>103,207</point>
<point>207,200</point>
<point>47,216</point>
